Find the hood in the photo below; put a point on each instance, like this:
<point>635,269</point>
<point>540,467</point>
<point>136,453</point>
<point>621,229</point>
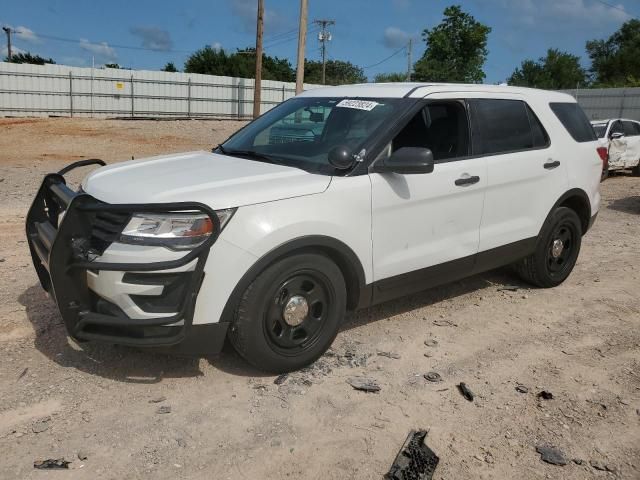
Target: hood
<point>218,181</point>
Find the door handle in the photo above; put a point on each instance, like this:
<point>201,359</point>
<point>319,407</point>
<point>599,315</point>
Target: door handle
<point>551,165</point>
<point>461,182</point>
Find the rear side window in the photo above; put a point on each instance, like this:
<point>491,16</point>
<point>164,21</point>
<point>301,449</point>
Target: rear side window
<point>505,126</point>
<point>574,120</point>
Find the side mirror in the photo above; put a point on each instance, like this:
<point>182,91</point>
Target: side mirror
<point>616,135</point>
<point>406,161</point>
<point>341,157</point>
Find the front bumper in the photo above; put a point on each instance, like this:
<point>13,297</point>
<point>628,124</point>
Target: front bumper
<point>68,232</point>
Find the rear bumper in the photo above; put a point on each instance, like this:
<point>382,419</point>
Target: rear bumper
<point>67,233</point>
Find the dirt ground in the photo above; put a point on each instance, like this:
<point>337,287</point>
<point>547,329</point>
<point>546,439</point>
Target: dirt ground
<point>580,341</point>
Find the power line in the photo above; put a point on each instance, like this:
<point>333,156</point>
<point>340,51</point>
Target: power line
<point>387,58</point>
<point>617,7</point>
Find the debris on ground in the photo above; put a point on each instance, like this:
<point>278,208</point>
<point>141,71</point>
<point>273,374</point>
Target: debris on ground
<point>41,425</point>
<point>578,461</point>
<point>82,455</point>
<point>164,409</point>
<point>51,464</point>
<point>280,379</point>
<point>432,342</point>
<point>509,288</point>
<point>551,455</point>
<point>432,377</point>
<point>158,399</point>
<point>414,460</point>
<point>602,467</point>
<point>522,389</point>
<point>363,383</point>
<point>545,395</point>
<point>444,323</point>
<point>24,372</point>
<point>465,391</point>
<point>392,355</point>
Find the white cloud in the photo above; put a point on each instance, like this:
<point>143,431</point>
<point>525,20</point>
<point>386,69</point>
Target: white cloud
<point>26,34</point>
<point>5,53</point>
<point>395,37</point>
<point>247,11</point>
<point>102,51</point>
<point>216,46</point>
<point>154,38</point>
<point>530,12</point>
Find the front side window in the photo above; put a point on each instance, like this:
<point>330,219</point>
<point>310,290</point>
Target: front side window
<point>630,128</point>
<point>302,131</point>
<point>505,126</point>
<point>617,128</point>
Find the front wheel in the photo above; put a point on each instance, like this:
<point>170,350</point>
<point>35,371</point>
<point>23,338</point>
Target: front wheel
<point>557,250</point>
<point>290,314</point>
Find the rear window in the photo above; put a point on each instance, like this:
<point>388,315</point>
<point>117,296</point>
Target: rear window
<point>506,126</point>
<point>574,120</point>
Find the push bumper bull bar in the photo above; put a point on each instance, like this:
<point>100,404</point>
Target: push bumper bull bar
<point>68,231</point>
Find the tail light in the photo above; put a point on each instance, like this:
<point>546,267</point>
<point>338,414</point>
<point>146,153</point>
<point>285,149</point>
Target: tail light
<point>604,156</point>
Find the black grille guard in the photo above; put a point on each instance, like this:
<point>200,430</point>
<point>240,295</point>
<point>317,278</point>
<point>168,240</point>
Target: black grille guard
<point>61,254</point>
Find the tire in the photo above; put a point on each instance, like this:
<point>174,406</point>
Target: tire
<point>275,339</point>
<point>635,171</point>
<point>548,267</point>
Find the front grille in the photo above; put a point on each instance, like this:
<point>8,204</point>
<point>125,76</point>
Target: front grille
<point>106,228</point>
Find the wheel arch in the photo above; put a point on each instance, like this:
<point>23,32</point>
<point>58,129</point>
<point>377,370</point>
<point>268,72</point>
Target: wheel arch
<point>577,200</point>
<point>358,293</point>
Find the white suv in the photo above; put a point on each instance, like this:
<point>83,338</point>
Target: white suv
<point>337,199</point>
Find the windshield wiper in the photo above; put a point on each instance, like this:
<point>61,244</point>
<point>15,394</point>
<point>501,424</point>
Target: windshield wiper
<point>251,154</point>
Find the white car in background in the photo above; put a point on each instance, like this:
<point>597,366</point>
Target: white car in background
<point>621,137</point>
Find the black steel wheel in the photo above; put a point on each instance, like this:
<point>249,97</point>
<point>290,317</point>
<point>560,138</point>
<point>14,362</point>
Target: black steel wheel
<point>290,313</point>
<point>556,251</point>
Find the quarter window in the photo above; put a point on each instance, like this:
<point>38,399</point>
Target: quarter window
<point>631,129</point>
<point>574,120</point>
<point>505,126</point>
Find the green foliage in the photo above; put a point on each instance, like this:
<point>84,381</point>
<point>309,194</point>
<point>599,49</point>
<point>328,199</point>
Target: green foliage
<point>241,64</point>
<point>337,72</point>
<point>556,71</point>
<point>28,58</point>
<point>169,67</point>
<point>615,62</point>
<point>112,65</point>
<point>456,49</point>
<point>390,77</point>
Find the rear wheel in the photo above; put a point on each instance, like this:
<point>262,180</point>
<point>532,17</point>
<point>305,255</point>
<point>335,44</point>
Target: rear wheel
<point>556,251</point>
<point>290,314</point>
<point>635,171</point>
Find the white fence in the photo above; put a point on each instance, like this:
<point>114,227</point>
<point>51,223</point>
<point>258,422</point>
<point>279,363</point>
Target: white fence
<point>602,103</point>
<point>57,90</point>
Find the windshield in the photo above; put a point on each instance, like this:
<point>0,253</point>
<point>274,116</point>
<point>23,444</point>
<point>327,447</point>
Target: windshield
<point>600,129</point>
<point>301,131</point>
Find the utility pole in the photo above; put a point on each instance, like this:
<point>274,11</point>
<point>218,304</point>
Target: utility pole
<point>258,82</point>
<point>8,32</point>
<point>302,37</point>
<point>324,36</point>
<point>409,66</point>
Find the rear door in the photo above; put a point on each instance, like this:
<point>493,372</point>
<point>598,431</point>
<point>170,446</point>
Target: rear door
<point>632,137</point>
<point>525,176</point>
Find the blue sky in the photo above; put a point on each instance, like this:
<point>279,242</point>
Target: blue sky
<point>366,31</point>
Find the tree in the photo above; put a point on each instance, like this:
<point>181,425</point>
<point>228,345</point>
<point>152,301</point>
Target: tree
<point>112,65</point>
<point>28,58</point>
<point>456,49</point>
<point>169,67</point>
<point>555,71</point>
<point>615,62</point>
<point>391,77</point>
<point>338,72</point>
<point>215,61</point>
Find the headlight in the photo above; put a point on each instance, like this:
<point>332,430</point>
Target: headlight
<point>177,231</point>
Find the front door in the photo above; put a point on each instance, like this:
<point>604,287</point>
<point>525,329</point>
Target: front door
<point>426,226</point>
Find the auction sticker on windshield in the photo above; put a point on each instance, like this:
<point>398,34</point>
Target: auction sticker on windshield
<point>358,104</point>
